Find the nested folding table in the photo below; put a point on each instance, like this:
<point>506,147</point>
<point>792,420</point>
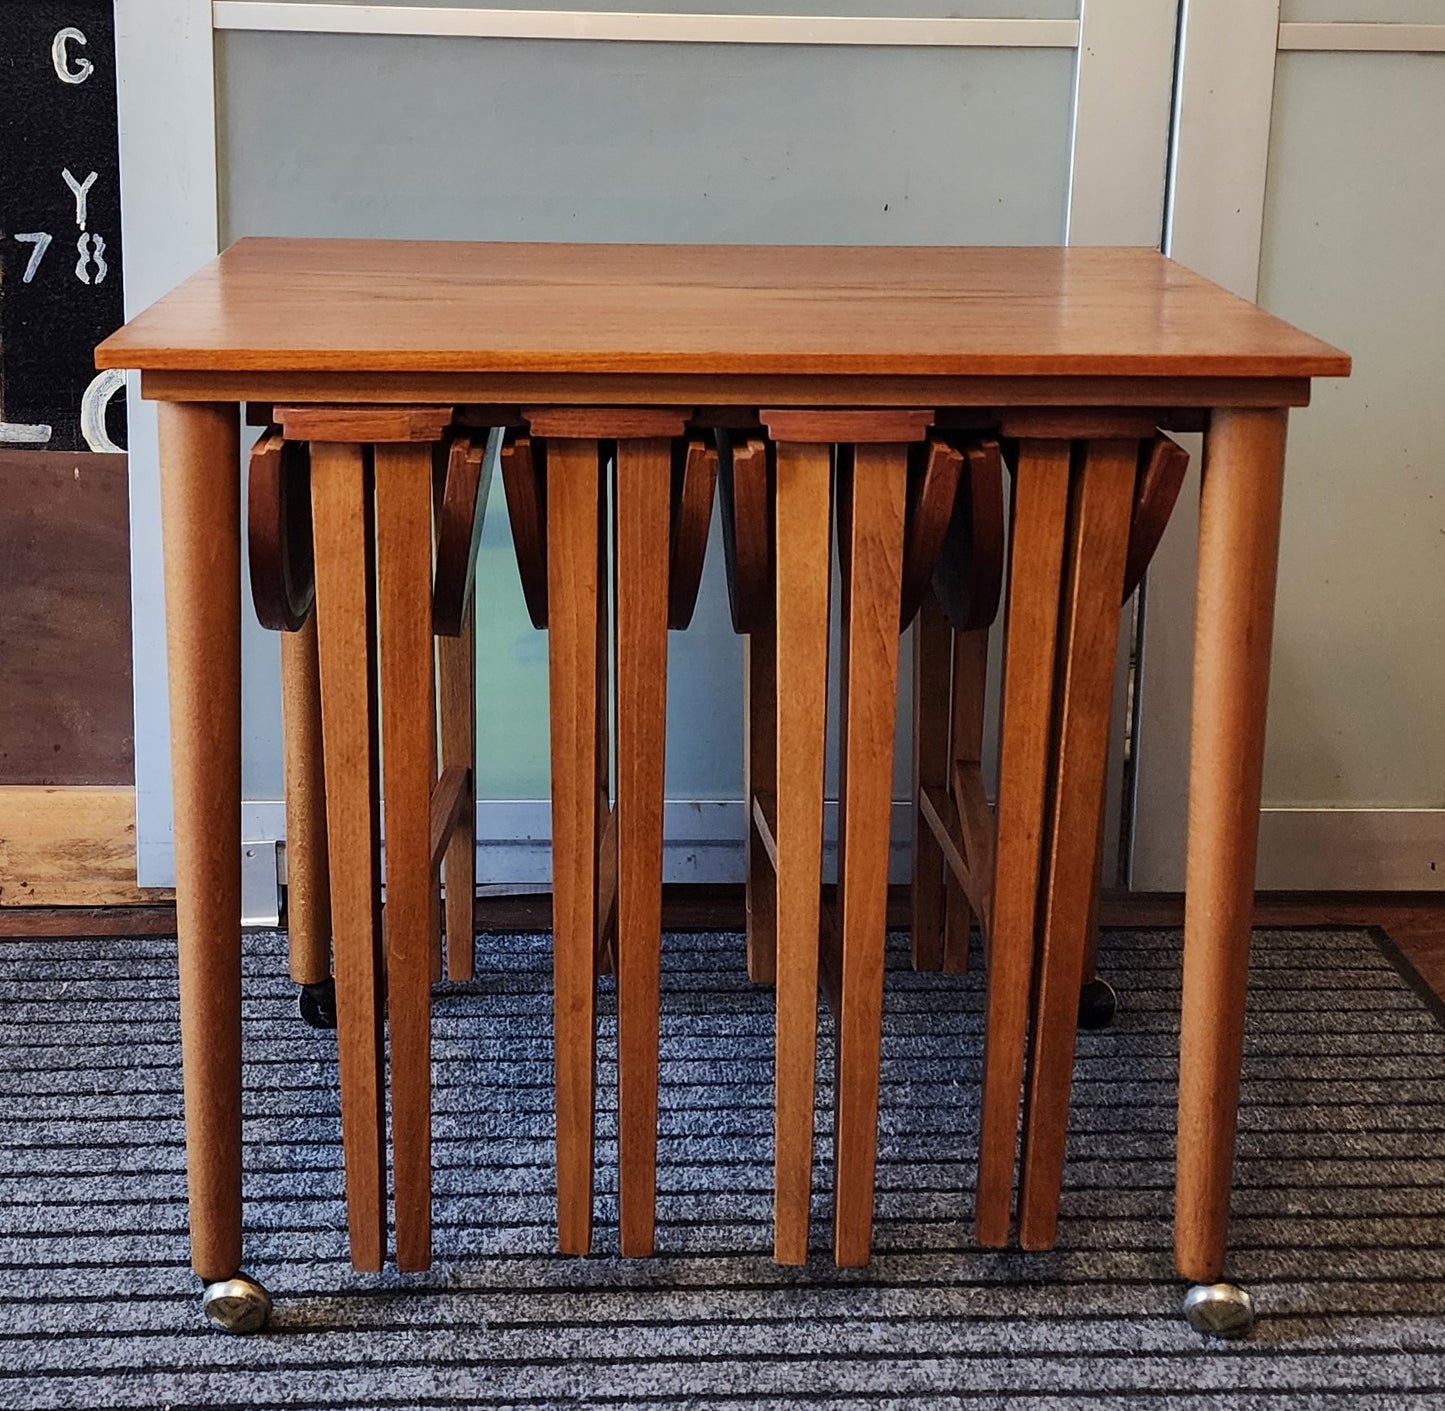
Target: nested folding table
<point>1065,348</point>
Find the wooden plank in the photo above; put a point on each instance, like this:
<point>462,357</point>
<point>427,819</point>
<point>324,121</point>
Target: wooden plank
<point>970,690</point>
<point>575,592</point>
<point>1078,423</point>
<point>457,698</point>
<point>765,823</point>
<point>448,803</point>
<point>803,507</point>
<point>607,423</point>
<point>643,507</point>
<point>1041,497</point>
<point>875,494</point>
<point>1101,501</point>
<point>308,876</point>
<point>343,527</point>
<point>932,644</point>
<point>363,425</point>
<point>65,712</point>
<point>373,306</point>
<point>760,775</point>
<point>745,389</point>
<point>69,847</point>
<point>409,752</point>
<point>826,428</point>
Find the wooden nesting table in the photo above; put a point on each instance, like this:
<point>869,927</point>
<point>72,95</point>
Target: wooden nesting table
<point>626,344</point>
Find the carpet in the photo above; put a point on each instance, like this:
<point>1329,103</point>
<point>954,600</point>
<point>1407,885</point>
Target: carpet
<point>1339,1227</point>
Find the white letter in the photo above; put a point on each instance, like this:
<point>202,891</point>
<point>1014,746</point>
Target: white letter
<point>41,240</point>
<point>60,57</point>
<point>81,190</point>
<point>103,387</point>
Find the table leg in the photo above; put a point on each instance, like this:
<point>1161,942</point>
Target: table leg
<point>1040,500</point>
<point>308,899</point>
<point>970,689</point>
<point>643,506</point>
<point>573,594</point>
<point>343,529</point>
<point>1098,540</point>
<point>876,493</point>
<point>1239,520</point>
<point>201,522</point>
<point>760,775</point>
<point>408,732</point>
<point>456,673</point>
<point>932,643</point>
<point>802,510</point>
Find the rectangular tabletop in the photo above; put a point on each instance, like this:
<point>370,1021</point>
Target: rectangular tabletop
<point>521,314</point>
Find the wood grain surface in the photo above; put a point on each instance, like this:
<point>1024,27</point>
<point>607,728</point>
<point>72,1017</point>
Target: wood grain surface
<point>423,306</point>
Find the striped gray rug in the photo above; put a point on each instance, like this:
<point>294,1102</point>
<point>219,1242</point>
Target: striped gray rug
<point>1339,1228</point>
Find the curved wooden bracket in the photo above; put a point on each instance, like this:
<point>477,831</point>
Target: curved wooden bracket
<point>462,479</point>
<point>745,471</point>
<point>968,577</point>
<point>278,532</point>
<point>694,477</point>
<point>524,480</point>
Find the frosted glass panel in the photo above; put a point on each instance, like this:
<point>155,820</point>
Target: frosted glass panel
<point>1365,11</point>
<point>1356,203</point>
<point>483,139</point>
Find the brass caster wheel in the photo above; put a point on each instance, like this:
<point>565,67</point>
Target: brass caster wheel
<point>238,1305</point>
<point>317,1004</point>
<point>1097,1004</point>
<point>1219,1310</point>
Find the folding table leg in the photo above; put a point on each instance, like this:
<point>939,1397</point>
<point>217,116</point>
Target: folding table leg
<point>1101,501</point>
<point>408,730</point>
<point>875,491</point>
<point>643,507</point>
<point>574,592</point>
<point>308,899</point>
<point>760,776</point>
<point>932,649</point>
<point>456,673</point>
<point>1040,509</point>
<point>802,518</point>
<point>343,534</point>
<point>970,686</point>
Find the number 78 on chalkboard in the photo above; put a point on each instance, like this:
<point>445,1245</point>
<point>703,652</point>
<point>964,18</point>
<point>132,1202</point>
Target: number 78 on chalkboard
<point>89,246</point>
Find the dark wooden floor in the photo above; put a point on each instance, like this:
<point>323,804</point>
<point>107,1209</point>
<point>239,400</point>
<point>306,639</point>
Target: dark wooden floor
<point>1415,922</point>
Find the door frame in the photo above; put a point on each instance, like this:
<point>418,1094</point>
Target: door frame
<point>1123,80</point>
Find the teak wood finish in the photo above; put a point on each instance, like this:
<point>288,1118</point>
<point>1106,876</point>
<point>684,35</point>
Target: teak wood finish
<point>411,324</point>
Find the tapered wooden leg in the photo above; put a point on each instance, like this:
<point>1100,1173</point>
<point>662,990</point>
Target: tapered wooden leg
<point>456,661</point>
<point>343,533</point>
<point>871,589</point>
<point>1098,542</point>
<point>1239,516</point>
<point>932,643</point>
<point>1040,508</point>
<point>408,733</point>
<point>308,884</point>
<point>573,588</point>
<point>644,479</point>
<point>970,687</point>
<point>760,775</point>
<point>201,523</point>
<point>802,518</point>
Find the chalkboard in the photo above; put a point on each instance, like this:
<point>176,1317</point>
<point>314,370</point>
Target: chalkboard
<point>60,268</point>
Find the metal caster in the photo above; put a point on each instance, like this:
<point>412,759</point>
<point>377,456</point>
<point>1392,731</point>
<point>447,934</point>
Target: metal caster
<point>1097,1003</point>
<point>317,1004</point>
<point>238,1305</point>
<point>1219,1310</point>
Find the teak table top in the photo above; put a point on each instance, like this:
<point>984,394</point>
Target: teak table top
<point>289,306</point>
